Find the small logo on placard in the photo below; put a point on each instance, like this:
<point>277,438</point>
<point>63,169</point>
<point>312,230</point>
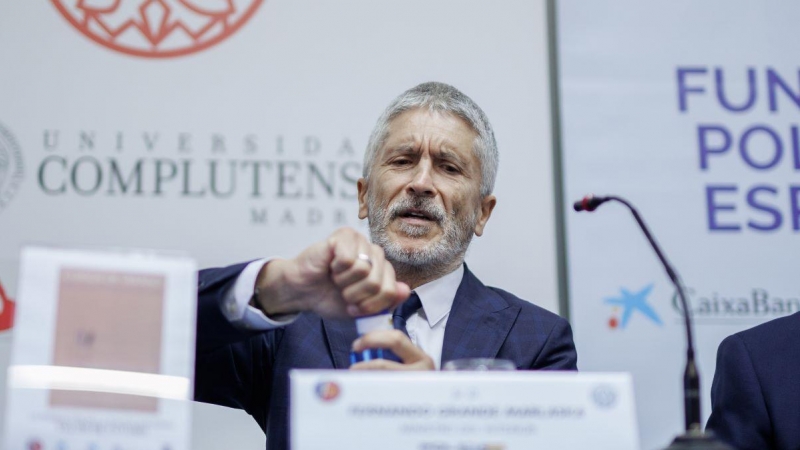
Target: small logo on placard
<point>157,28</point>
<point>11,167</point>
<point>6,310</point>
<point>631,302</point>
<point>604,396</point>
<point>328,391</point>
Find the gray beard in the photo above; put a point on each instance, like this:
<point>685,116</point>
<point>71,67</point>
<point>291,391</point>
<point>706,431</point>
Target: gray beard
<point>438,258</point>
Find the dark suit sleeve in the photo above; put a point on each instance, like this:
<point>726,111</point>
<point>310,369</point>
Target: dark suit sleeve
<point>232,366</point>
<point>213,328</point>
<point>558,352</point>
<point>739,414</point>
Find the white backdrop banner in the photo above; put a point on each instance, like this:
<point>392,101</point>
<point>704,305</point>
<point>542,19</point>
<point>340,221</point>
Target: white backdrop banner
<point>689,110</point>
<point>235,129</point>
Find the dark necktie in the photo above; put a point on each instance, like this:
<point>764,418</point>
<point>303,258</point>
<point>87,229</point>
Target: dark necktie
<point>404,311</point>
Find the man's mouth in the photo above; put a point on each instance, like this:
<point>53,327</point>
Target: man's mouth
<point>417,214</point>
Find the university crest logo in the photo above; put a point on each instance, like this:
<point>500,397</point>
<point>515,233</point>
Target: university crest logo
<point>12,169</point>
<point>157,28</point>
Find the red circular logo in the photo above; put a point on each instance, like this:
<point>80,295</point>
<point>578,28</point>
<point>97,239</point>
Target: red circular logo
<point>6,311</point>
<point>157,28</point>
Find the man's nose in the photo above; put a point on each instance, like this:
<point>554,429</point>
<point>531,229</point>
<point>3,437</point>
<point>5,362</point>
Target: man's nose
<point>422,181</point>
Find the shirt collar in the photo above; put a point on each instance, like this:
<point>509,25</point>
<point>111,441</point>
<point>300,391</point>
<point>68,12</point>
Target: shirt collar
<point>437,296</point>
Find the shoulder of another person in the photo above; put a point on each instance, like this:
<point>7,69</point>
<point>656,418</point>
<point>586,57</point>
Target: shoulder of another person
<point>787,327</point>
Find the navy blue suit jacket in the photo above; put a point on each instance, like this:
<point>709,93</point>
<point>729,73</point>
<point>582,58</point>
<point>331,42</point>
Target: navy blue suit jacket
<point>250,370</point>
<point>755,398</point>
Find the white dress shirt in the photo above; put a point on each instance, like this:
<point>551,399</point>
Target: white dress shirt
<point>425,327</point>
<point>237,307</point>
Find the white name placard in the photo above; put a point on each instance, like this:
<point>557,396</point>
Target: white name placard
<point>462,410</point>
<point>103,351</point>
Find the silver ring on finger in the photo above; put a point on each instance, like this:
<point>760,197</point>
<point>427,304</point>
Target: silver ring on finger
<point>365,257</point>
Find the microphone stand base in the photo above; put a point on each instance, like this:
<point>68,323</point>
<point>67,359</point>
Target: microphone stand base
<point>698,440</point>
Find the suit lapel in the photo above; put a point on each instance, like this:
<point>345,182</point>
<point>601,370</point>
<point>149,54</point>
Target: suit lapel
<point>479,321</point>
<point>340,335</point>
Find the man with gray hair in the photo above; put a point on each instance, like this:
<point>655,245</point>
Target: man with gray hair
<point>429,172</point>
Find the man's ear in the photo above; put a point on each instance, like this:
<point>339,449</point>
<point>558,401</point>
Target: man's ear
<point>487,205</point>
<point>362,198</point>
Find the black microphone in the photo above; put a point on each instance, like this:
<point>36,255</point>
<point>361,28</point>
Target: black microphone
<point>694,438</point>
<point>589,203</point>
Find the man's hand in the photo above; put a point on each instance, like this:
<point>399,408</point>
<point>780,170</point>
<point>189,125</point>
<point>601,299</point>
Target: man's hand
<point>344,275</point>
<point>413,357</point>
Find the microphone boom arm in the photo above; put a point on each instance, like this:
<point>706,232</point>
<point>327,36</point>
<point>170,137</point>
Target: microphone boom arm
<point>691,378</point>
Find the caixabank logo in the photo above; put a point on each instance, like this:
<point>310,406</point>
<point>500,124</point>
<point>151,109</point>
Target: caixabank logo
<point>632,303</point>
<point>11,167</point>
<point>157,28</point>
<point>740,306</point>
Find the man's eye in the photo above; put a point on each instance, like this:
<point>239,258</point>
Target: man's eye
<point>401,162</point>
<point>449,168</point>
